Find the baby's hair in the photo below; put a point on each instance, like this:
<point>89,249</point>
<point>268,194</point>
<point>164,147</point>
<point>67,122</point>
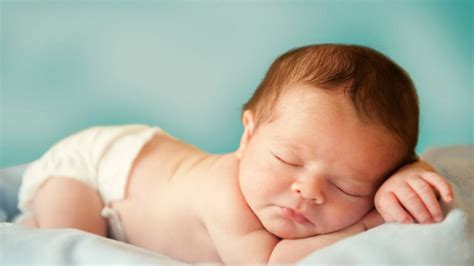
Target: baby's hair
<point>381,91</point>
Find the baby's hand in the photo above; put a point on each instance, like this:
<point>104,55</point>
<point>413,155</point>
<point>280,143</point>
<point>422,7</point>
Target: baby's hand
<point>371,220</point>
<point>409,195</point>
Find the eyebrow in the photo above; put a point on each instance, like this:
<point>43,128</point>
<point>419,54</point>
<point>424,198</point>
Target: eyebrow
<point>286,143</point>
<point>292,146</point>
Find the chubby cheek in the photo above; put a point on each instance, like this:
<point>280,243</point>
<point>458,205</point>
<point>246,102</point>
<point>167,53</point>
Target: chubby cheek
<point>345,214</point>
<point>260,182</point>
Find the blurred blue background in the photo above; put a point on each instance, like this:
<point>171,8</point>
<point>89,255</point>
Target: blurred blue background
<point>189,66</point>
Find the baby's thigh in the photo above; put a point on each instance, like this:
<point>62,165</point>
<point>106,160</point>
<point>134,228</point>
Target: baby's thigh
<point>68,203</point>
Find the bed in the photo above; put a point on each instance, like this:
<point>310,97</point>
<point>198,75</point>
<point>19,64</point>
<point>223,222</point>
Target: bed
<point>446,243</point>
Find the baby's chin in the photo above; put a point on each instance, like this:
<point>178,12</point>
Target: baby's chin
<point>289,230</point>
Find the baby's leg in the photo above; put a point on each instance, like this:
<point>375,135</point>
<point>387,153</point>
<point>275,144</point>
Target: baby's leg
<point>29,221</point>
<point>68,203</point>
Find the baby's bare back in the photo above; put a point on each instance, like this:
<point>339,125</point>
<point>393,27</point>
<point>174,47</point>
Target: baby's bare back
<point>179,201</point>
<point>186,204</point>
<point>160,208</point>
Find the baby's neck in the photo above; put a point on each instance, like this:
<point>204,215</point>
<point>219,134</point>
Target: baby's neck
<point>206,165</point>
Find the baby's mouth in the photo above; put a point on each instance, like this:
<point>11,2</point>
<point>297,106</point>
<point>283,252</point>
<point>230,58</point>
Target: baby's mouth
<point>294,216</point>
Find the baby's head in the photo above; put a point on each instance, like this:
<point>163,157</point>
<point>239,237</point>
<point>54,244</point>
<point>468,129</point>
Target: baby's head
<point>323,130</point>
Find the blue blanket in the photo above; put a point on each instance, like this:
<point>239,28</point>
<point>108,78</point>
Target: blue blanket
<point>447,243</point>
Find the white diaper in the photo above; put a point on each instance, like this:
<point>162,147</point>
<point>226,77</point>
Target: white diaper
<point>101,157</point>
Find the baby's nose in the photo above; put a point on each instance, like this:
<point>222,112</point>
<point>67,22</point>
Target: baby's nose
<point>309,188</point>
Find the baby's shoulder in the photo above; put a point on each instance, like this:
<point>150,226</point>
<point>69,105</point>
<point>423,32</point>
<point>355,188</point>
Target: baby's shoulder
<point>231,223</point>
<point>226,206</point>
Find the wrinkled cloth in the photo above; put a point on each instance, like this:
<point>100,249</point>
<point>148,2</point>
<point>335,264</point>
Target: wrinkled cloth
<point>447,243</point>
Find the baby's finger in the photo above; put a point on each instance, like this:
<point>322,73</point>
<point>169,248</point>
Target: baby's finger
<point>392,211</point>
<point>440,183</point>
<point>372,219</point>
<point>413,204</point>
<point>427,195</point>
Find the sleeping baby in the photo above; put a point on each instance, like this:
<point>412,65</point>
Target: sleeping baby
<point>327,152</point>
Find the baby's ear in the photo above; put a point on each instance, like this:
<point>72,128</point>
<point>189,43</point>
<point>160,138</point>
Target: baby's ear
<point>249,125</point>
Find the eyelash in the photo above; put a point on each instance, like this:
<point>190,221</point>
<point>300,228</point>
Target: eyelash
<point>345,192</point>
<point>296,165</point>
<point>285,162</point>
<point>337,187</point>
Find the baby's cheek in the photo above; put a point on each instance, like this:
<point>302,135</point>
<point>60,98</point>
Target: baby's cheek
<point>274,183</point>
<point>274,177</point>
<point>359,210</point>
<point>339,220</point>
<point>259,182</point>
<point>348,213</point>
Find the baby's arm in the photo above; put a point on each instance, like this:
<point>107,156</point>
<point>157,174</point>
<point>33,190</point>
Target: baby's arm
<point>409,195</point>
<point>261,247</point>
<point>292,250</point>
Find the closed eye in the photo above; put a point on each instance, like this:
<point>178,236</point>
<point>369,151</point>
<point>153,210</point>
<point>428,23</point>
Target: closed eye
<point>285,162</point>
<point>348,193</point>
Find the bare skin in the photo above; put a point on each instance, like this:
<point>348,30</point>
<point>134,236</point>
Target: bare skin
<point>199,207</point>
<point>149,185</point>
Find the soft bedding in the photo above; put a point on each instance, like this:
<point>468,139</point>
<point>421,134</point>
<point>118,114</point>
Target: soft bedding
<point>446,243</point>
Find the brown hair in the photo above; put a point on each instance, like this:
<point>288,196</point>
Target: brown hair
<point>381,91</point>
